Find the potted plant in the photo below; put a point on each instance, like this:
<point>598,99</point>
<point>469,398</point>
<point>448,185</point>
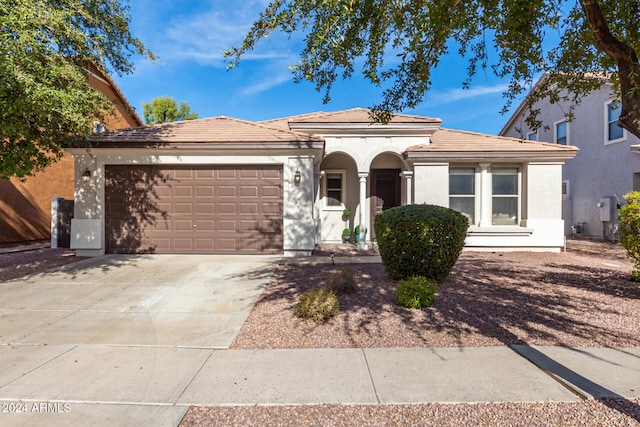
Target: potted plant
<point>357,231</point>
<point>346,212</point>
<point>346,235</point>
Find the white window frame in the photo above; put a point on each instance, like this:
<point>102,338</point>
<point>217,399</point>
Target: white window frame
<point>343,190</point>
<point>555,131</point>
<point>532,133</point>
<point>476,191</point>
<point>518,196</point>
<point>608,141</point>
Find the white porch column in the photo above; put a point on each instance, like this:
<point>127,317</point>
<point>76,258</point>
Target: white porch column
<point>317,203</point>
<point>363,210</point>
<point>408,187</point>
<point>485,195</point>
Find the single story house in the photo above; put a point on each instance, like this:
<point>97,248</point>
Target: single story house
<point>226,186</point>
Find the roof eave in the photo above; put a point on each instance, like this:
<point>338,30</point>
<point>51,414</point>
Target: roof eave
<point>235,145</point>
<point>493,155</point>
<point>378,128</point>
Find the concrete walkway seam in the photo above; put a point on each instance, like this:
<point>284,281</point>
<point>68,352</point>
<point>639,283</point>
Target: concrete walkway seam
<point>373,384</point>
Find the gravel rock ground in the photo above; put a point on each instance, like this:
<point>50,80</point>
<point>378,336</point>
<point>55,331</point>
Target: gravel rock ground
<point>579,298</point>
<point>606,413</point>
<point>19,264</point>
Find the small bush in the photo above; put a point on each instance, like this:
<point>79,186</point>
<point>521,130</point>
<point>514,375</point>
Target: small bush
<point>343,281</point>
<point>416,292</point>
<point>317,304</point>
<point>420,240</point>
<point>629,216</point>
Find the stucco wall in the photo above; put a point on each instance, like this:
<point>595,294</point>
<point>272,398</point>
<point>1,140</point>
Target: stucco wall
<point>88,225</point>
<point>598,170</point>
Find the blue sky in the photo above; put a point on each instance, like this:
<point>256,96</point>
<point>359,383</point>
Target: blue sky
<point>189,38</point>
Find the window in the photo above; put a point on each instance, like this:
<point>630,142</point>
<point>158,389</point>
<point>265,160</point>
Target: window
<point>565,190</point>
<point>462,189</point>
<point>532,136</point>
<point>334,193</point>
<point>505,196</point>
<point>561,135</point>
<point>614,132</point>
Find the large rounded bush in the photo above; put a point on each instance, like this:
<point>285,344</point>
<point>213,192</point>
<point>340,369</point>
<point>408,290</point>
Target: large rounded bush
<point>420,240</point>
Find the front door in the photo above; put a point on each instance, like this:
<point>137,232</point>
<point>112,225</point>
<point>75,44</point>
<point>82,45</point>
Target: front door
<point>385,192</point>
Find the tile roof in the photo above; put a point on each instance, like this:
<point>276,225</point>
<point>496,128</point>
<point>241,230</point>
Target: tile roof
<point>456,141</point>
<point>219,129</point>
<point>354,115</point>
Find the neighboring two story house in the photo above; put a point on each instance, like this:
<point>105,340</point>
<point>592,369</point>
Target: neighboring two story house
<point>25,206</point>
<point>606,167</point>
<point>227,186</point>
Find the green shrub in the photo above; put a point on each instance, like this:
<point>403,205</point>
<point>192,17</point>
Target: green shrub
<point>317,304</point>
<point>416,292</point>
<point>420,240</point>
<point>343,281</point>
<point>629,216</point>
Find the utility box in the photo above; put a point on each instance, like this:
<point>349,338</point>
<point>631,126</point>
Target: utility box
<point>61,215</point>
<point>606,209</point>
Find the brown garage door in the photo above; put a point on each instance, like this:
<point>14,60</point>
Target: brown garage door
<point>194,209</point>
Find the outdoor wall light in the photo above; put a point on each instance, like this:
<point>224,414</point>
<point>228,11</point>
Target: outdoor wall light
<point>86,175</point>
<point>297,177</point>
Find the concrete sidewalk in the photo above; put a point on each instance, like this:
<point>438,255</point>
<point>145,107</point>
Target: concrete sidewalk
<point>154,386</point>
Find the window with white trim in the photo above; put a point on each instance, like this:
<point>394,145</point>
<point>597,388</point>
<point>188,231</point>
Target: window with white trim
<point>462,192</point>
<point>334,189</point>
<point>505,196</point>
<point>561,133</point>
<point>532,136</point>
<point>613,132</point>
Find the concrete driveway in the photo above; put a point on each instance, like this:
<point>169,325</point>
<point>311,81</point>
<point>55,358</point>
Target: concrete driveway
<point>119,331</point>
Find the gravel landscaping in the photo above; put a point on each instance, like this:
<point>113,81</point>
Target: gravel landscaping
<point>18,264</point>
<point>606,413</point>
<point>580,298</point>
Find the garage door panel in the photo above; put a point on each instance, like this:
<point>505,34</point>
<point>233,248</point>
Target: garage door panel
<point>226,225</point>
<point>249,225</point>
<point>205,225</point>
<point>205,191</point>
<point>248,208</point>
<point>249,191</point>
<point>183,208</point>
<point>271,191</point>
<point>205,173</point>
<point>183,225</point>
<point>227,244</point>
<point>250,174</point>
<point>205,208</point>
<point>227,191</point>
<point>226,208</point>
<point>205,245</point>
<point>183,244</point>
<point>183,191</point>
<point>183,173</point>
<point>154,209</point>
<point>226,173</point>
<point>272,209</point>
